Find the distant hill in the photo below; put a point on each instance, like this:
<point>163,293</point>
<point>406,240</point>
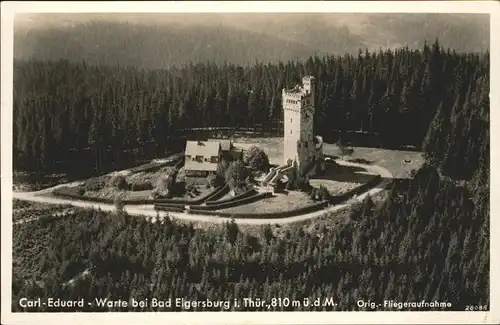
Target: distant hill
<point>461,32</point>
<point>339,32</point>
<point>153,46</point>
<point>155,41</point>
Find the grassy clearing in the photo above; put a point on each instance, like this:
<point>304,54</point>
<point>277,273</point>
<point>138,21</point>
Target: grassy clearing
<point>152,166</point>
<point>393,160</point>
<point>25,182</point>
<point>140,186</point>
<point>272,146</point>
<point>202,191</point>
<point>339,179</point>
<point>22,210</point>
<point>279,202</point>
<point>112,193</point>
<point>333,187</point>
<point>138,195</point>
<point>400,163</point>
<point>136,182</point>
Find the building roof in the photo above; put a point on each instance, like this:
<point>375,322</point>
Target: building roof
<point>225,145</point>
<point>202,148</point>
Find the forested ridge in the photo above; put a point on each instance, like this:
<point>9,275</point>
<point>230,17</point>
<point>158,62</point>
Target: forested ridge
<point>429,242</point>
<point>153,46</point>
<point>63,108</point>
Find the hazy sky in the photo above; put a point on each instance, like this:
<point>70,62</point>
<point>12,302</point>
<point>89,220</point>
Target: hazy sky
<point>316,31</point>
<point>40,20</point>
<point>234,19</point>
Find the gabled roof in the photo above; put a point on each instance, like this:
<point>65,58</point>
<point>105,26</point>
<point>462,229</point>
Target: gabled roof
<point>225,144</point>
<point>202,148</point>
<point>206,149</point>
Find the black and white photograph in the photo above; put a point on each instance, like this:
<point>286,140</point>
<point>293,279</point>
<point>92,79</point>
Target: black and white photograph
<point>194,160</point>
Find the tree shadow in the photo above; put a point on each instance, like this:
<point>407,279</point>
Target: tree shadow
<point>400,184</point>
<point>345,174</point>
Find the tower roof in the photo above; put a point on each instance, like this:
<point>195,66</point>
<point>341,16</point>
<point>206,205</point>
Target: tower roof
<point>295,90</point>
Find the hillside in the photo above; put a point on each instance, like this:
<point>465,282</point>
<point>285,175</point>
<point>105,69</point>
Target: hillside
<point>348,32</point>
<point>461,32</point>
<point>156,41</point>
<point>153,46</point>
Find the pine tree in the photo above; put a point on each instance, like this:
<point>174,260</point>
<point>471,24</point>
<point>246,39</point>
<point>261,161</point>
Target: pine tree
<point>432,145</point>
<point>232,231</point>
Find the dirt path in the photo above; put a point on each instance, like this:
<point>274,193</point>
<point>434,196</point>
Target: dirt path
<point>148,210</point>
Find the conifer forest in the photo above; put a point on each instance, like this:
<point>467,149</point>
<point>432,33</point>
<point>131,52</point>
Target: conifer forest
<point>427,240</point>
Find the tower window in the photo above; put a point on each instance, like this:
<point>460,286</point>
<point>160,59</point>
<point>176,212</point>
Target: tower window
<point>290,120</point>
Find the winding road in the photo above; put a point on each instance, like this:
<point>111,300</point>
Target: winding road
<point>148,210</point>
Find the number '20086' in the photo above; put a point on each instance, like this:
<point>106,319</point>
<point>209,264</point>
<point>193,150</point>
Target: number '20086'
<point>476,308</point>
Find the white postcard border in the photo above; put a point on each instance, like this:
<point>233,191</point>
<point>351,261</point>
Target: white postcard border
<point>8,10</point>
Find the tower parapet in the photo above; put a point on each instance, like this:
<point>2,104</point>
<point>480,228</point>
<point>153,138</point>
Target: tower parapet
<point>309,84</point>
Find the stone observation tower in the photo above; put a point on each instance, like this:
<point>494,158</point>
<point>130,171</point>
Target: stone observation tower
<point>301,147</point>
